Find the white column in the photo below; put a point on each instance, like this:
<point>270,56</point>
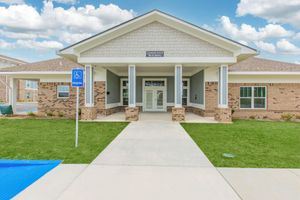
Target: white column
<point>178,86</point>
<point>223,87</point>
<point>131,86</point>
<point>89,86</point>
<point>13,93</point>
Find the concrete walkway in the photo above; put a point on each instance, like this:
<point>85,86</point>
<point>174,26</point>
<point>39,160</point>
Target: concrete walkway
<point>266,184</point>
<point>151,160</point>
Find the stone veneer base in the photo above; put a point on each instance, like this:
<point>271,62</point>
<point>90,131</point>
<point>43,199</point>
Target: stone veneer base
<point>132,113</point>
<point>223,115</point>
<point>178,114</point>
<point>88,113</point>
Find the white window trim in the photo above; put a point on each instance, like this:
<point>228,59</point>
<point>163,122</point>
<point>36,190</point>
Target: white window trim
<point>57,92</point>
<point>252,98</point>
<point>188,90</point>
<point>121,92</point>
<point>165,91</point>
<point>30,88</point>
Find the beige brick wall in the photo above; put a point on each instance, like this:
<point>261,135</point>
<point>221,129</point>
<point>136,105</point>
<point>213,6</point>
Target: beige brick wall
<point>211,98</point>
<point>156,37</point>
<point>49,103</point>
<point>282,98</point>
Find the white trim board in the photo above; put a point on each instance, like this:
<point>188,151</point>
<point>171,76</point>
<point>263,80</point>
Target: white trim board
<point>264,73</point>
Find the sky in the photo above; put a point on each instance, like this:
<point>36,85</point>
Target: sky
<point>34,30</point>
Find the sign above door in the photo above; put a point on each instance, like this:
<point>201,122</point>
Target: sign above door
<point>155,53</point>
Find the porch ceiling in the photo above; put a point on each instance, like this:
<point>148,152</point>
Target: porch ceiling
<point>154,70</point>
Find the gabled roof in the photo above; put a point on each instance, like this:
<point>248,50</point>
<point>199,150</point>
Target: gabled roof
<point>12,60</point>
<point>52,65</point>
<point>74,50</point>
<point>255,64</point>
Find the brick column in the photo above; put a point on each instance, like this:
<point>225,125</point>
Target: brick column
<point>178,114</point>
<point>132,113</point>
<point>88,113</point>
<point>223,115</point>
<point>223,112</point>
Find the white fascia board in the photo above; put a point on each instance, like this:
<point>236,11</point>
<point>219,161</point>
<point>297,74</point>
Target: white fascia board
<point>35,72</point>
<point>163,60</point>
<point>264,73</point>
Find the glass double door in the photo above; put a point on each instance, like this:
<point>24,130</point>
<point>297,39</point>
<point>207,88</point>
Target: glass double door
<point>154,99</point>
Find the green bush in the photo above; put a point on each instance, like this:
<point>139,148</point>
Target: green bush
<point>31,114</point>
<point>287,117</point>
<point>60,114</point>
<point>49,114</point>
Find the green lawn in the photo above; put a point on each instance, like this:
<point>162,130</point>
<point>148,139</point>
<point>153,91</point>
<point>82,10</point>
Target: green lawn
<point>54,139</point>
<point>255,143</point>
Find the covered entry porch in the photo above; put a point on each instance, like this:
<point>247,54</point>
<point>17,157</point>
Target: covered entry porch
<point>154,88</point>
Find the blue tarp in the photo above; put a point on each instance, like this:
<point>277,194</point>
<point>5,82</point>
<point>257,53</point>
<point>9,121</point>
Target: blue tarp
<point>16,175</point>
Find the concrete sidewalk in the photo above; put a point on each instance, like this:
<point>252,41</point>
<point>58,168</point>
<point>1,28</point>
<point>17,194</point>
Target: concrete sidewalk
<point>266,184</point>
<point>151,160</point>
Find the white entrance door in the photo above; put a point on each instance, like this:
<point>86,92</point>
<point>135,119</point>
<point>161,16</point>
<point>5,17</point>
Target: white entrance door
<point>154,95</point>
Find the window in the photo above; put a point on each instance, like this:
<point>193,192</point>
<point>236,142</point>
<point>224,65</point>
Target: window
<point>63,91</point>
<point>32,85</point>
<point>253,97</point>
<point>124,89</point>
<point>185,91</point>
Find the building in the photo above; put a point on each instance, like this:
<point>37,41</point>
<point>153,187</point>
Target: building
<point>5,62</point>
<point>159,63</point>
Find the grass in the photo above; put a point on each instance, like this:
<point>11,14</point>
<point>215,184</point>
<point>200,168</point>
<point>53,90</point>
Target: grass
<point>54,139</point>
<point>254,143</point>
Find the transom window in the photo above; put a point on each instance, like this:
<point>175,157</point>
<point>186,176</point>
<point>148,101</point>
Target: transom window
<point>32,85</point>
<point>63,91</point>
<point>253,97</point>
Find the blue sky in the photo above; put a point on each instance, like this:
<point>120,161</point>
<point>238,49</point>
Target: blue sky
<point>34,29</point>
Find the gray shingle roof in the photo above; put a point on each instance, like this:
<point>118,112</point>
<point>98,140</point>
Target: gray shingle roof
<point>263,65</point>
<point>57,64</point>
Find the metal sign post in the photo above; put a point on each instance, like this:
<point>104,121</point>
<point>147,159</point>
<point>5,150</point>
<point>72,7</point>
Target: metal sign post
<point>77,81</point>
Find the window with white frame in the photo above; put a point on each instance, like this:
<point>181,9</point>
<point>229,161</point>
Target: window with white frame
<point>32,85</point>
<point>63,91</point>
<point>185,92</point>
<point>253,97</point>
<point>124,89</point>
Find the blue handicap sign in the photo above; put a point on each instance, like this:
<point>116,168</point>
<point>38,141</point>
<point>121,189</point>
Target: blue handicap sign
<point>77,77</point>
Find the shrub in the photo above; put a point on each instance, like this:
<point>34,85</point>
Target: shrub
<point>60,114</point>
<point>49,114</point>
<point>252,117</point>
<point>31,114</point>
<point>287,117</point>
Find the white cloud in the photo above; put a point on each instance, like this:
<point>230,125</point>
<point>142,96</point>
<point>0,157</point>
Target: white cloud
<point>10,2</point>
<point>287,47</point>
<point>265,46</point>
<point>32,44</point>
<point>69,25</point>
<point>275,11</point>
<point>246,32</point>
<point>66,1</point>
<point>6,45</point>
